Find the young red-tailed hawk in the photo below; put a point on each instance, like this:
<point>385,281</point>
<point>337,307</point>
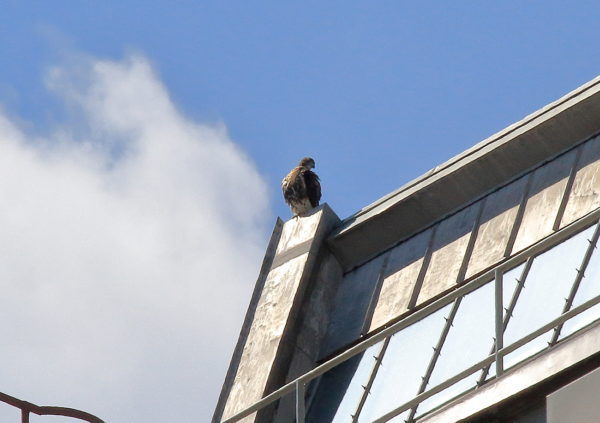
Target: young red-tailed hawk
<point>301,187</point>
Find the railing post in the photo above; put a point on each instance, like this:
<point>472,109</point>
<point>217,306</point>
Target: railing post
<point>24,416</point>
<point>300,412</point>
<point>499,308</point>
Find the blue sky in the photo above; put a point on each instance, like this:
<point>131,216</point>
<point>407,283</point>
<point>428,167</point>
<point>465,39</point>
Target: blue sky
<point>377,92</point>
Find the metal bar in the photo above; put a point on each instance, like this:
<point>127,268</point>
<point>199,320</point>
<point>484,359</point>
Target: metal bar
<point>580,275</point>
<point>471,244</point>
<point>477,366</point>
<point>367,388</point>
<point>420,314</point>
<point>565,197</point>
<point>517,292</point>
<point>300,406</point>
<point>412,302</point>
<point>499,318</point>
<point>509,311</point>
<point>435,390</point>
<point>519,217</point>
<point>24,416</point>
<point>437,350</point>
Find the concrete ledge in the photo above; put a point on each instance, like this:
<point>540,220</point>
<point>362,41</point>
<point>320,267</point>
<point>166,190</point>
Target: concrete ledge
<point>271,329</point>
<point>485,167</point>
<point>266,266</point>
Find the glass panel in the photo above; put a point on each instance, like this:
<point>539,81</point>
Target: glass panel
<point>543,296</point>
<point>355,390</point>
<point>404,363</point>
<point>469,341</point>
<point>588,289</point>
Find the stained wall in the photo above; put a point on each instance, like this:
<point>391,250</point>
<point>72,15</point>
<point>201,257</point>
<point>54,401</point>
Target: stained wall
<point>462,246</point>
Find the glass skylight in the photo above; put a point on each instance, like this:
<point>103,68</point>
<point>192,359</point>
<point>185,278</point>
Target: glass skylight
<point>543,296</point>
<point>462,333</point>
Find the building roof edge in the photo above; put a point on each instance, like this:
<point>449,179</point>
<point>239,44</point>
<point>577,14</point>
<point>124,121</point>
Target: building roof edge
<point>492,162</point>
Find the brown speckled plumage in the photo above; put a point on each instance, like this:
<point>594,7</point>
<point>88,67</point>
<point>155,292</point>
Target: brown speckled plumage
<point>301,187</point>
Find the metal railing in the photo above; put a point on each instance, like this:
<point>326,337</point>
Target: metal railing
<point>27,408</point>
<point>493,275</point>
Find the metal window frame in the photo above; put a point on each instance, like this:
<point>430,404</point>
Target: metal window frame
<point>367,388</point>
<point>578,279</point>
<point>437,350</point>
<point>421,313</point>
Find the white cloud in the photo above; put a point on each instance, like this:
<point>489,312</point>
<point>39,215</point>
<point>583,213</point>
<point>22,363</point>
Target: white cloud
<point>130,240</point>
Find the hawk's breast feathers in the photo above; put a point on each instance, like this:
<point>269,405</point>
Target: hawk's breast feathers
<point>301,187</point>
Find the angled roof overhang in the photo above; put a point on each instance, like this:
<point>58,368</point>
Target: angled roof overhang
<point>463,179</point>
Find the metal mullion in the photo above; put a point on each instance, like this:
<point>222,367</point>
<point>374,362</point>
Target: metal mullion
<point>437,350</point>
<point>509,311</point>
<point>412,302</point>
<point>519,217</point>
<point>375,295</point>
<point>499,330</point>
<point>471,244</point>
<point>367,388</point>
<point>300,405</point>
<point>568,188</point>
<point>580,275</point>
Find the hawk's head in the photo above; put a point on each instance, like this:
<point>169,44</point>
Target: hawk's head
<point>307,162</point>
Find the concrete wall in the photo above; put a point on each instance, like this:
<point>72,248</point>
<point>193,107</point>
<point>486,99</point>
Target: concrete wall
<point>284,327</point>
<point>464,245</point>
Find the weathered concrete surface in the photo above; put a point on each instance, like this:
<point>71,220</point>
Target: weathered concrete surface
<point>313,323</point>
<point>402,271</point>
<point>545,195</point>
<point>266,353</point>
<point>262,344</point>
<point>352,305</point>
<point>237,353</point>
<point>316,315</point>
<point>449,247</point>
<point>497,220</point>
<point>297,231</point>
<point>585,193</point>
